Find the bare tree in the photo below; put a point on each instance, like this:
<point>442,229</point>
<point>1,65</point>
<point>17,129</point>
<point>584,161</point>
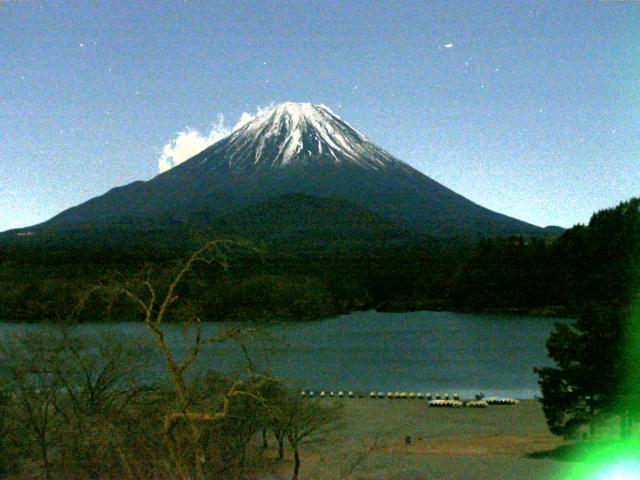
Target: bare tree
<point>34,391</point>
<point>274,412</point>
<point>156,301</point>
<point>306,419</point>
<point>69,390</point>
<point>98,376</point>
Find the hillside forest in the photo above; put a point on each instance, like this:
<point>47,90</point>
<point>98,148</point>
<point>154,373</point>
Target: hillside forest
<point>308,275</point>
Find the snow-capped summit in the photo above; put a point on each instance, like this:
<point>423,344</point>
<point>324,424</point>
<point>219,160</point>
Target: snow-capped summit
<point>297,132</point>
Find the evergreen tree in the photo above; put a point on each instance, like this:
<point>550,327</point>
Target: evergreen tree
<point>597,358</point>
<point>586,382</point>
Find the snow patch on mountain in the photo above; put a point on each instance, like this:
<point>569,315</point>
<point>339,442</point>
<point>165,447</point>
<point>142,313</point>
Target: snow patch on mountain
<point>293,132</point>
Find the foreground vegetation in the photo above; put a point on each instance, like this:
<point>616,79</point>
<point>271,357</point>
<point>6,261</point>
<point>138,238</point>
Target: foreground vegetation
<point>76,406</point>
<point>597,359</point>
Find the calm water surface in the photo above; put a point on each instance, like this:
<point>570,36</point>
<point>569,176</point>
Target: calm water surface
<point>417,351</point>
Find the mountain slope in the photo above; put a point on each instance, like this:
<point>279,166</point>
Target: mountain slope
<point>294,148</point>
<point>302,219</point>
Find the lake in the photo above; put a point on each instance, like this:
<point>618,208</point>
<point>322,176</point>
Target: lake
<point>364,351</point>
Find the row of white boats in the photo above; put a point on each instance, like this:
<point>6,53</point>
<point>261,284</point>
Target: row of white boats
<point>436,400</point>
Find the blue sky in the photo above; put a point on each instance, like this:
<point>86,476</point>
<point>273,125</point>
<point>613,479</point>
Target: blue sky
<point>529,108</point>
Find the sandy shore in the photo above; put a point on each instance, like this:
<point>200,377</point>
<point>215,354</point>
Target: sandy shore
<point>491,443</point>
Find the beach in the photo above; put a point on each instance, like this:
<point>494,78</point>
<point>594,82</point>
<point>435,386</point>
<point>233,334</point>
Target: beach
<point>446,443</point>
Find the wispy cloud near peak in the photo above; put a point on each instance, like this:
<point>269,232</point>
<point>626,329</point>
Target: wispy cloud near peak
<point>190,141</point>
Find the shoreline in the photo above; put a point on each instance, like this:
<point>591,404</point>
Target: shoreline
<point>542,312</point>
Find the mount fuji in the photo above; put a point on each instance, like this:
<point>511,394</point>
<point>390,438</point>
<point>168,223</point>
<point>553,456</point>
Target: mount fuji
<point>296,151</point>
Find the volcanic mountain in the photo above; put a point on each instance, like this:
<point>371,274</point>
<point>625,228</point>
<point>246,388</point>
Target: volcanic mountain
<point>295,148</point>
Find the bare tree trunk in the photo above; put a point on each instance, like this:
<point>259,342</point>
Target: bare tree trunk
<point>44,452</point>
<point>199,460</point>
<point>296,466</point>
<point>155,305</point>
<point>280,448</point>
<point>265,444</point>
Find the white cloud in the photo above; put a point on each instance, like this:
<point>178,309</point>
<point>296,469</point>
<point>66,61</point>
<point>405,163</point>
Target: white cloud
<point>244,118</point>
<point>449,45</point>
<point>190,141</point>
<point>247,117</point>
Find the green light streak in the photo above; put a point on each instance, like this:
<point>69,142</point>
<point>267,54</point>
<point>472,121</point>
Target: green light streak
<point>618,460</point>
<point>621,471</point>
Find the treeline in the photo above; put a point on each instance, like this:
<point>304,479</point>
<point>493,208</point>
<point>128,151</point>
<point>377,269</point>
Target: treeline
<point>41,280</point>
<point>597,358</point>
<point>592,263</point>
<point>46,278</point>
